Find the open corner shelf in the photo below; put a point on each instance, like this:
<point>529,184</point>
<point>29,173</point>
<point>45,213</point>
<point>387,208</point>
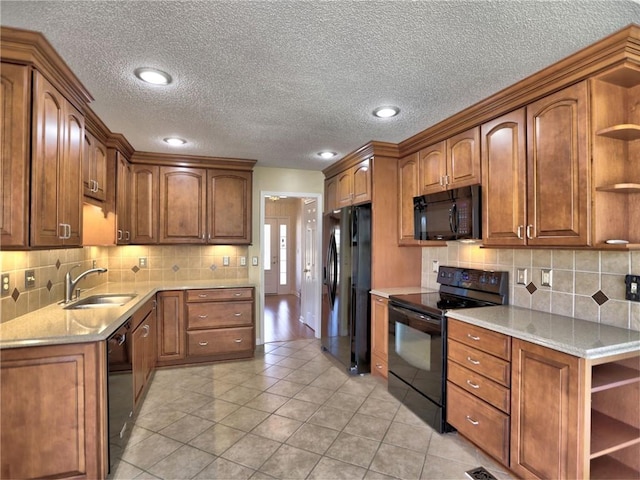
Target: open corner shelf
<point>612,434</point>
<point>607,467</point>
<point>623,131</point>
<point>611,375</point>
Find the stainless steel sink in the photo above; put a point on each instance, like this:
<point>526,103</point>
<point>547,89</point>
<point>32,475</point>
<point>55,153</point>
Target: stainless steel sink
<point>102,301</point>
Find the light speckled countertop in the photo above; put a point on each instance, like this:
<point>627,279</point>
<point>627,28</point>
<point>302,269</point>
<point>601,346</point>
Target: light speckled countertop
<point>54,325</point>
<point>386,292</point>
<point>581,338</point>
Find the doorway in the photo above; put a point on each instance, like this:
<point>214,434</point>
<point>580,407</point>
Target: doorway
<point>291,263</point>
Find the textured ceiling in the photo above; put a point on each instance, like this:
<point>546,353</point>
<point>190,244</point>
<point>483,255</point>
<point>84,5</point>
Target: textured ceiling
<point>279,81</point>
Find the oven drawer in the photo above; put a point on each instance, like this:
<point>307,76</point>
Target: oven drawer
<point>220,341</point>
<point>482,387</point>
<point>479,422</point>
<point>480,362</point>
<point>477,337</point>
<point>216,315</point>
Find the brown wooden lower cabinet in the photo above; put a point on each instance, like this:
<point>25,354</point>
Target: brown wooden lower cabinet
<point>53,421</point>
<point>379,335</point>
<point>170,327</point>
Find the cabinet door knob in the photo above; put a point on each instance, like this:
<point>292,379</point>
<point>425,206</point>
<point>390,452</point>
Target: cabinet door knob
<point>472,385</point>
<point>472,421</point>
<point>471,360</point>
<point>203,344</point>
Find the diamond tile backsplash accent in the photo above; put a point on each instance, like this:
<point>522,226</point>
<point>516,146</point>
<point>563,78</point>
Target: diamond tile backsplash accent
<point>600,298</point>
<point>15,294</point>
<point>135,269</point>
<point>175,268</point>
<point>531,288</point>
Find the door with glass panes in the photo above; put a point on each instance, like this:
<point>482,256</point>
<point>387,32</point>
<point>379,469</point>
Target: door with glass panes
<point>276,256</point>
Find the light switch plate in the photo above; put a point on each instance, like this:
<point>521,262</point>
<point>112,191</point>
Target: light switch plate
<point>632,287</point>
<point>29,278</point>
<point>243,261</point>
<point>5,284</point>
<point>142,262</point>
<point>254,261</point>
<point>435,265</point>
<point>545,277</point>
<point>521,276</point>
<point>225,261</point>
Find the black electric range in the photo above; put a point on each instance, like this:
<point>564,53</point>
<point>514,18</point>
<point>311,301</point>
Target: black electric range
<point>418,337</point>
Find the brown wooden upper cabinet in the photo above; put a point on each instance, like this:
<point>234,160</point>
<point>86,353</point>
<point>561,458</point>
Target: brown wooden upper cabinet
<point>15,97</point>
<point>408,187</point>
<point>331,194</point>
<point>541,197</point>
<point>144,203</point>
<point>94,168</point>
<point>452,163</point>
<point>123,200</point>
<point>56,163</point>
<point>183,202</point>
<point>353,186</point>
<point>229,207</point>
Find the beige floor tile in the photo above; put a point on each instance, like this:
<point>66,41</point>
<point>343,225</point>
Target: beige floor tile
<point>184,463</point>
<point>267,402</point>
<point>217,439</point>
<point>331,379</point>
<point>361,386</point>
<point>186,428</point>
<point>124,471</point>
<point>443,468</point>
<point>216,410</point>
<point>159,419</point>
<point>149,451</point>
<point>314,438</point>
<point>314,394</point>
<point>371,475</point>
<point>331,417</point>
<point>260,382</point>
<point>224,469</point>
<point>366,426</point>
<point>214,388</point>
<point>303,377</point>
<point>277,428</point>
<point>277,371</point>
<point>452,447</point>
<point>245,419</point>
<point>352,449</point>
<point>238,377</point>
<point>409,436</point>
<point>292,362</point>
<point>240,395</point>
<point>378,408</point>
<point>329,468</point>
<point>290,463</point>
<point>285,388</point>
<point>398,462</point>
<point>343,401</point>
<point>189,402</point>
<point>297,409</point>
<point>251,451</point>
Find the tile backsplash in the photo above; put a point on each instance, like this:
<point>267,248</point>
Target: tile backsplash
<point>585,284</point>
<point>162,263</point>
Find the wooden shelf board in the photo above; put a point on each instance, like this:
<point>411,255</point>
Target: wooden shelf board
<point>625,131</point>
<point>609,468</point>
<point>624,76</point>
<point>609,435</point>
<point>611,375</point>
<point>620,188</point>
<point>624,247</point>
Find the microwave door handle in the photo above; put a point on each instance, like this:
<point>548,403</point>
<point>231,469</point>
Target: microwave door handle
<point>453,219</point>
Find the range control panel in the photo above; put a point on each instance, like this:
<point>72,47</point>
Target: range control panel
<point>482,280</point>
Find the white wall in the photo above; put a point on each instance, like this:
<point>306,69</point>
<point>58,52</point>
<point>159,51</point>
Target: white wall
<point>275,180</point>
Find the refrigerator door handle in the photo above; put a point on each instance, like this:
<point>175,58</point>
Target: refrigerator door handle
<point>331,277</point>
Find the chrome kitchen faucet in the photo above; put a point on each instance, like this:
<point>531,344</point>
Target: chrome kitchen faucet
<point>70,284</point>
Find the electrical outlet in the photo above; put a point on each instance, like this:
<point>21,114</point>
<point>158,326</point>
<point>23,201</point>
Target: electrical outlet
<point>29,278</point>
<point>142,262</point>
<point>225,261</point>
<point>254,261</point>
<point>4,286</point>
<point>545,277</point>
<point>435,265</point>
<point>632,291</point>
<point>243,261</point>
<point>521,276</point>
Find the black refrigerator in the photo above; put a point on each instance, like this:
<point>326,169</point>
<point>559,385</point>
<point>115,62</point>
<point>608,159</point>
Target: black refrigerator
<point>346,317</point>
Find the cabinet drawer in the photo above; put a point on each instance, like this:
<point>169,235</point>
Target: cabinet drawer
<point>477,337</point>
<point>479,422</point>
<point>482,387</point>
<point>491,367</point>
<point>214,342</point>
<point>379,366</point>
<point>216,315</point>
<point>217,294</point>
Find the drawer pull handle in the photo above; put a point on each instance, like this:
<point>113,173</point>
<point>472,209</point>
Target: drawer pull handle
<point>202,295</point>
<point>472,421</point>
<point>471,360</point>
<point>237,314</point>
<point>203,316</point>
<point>378,366</point>
<point>237,294</point>
<point>473,337</point>
<point>472,385</point>
<point>238,340</point>
<point>203,344</point>
<point>146,329</point>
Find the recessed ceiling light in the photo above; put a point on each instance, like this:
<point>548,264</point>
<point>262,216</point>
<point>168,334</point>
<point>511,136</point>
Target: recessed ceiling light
<point>327,155</point>
<point>153,76</point>
<point>386,112</point>
<point>175,141</point>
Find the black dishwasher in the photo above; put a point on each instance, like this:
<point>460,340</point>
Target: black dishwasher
<point>119,386</point>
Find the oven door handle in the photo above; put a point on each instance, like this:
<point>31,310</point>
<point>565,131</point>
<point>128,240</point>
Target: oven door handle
<point>403,315</point>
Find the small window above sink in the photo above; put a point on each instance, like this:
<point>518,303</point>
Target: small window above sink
<point>102,301</point>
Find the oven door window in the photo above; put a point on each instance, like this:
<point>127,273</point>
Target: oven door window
<point>415,351</point>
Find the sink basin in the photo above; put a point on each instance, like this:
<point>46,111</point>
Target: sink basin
<point>102,301</point>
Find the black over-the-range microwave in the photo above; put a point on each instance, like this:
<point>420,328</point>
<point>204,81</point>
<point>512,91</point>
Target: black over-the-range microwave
<point>449,215</point>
